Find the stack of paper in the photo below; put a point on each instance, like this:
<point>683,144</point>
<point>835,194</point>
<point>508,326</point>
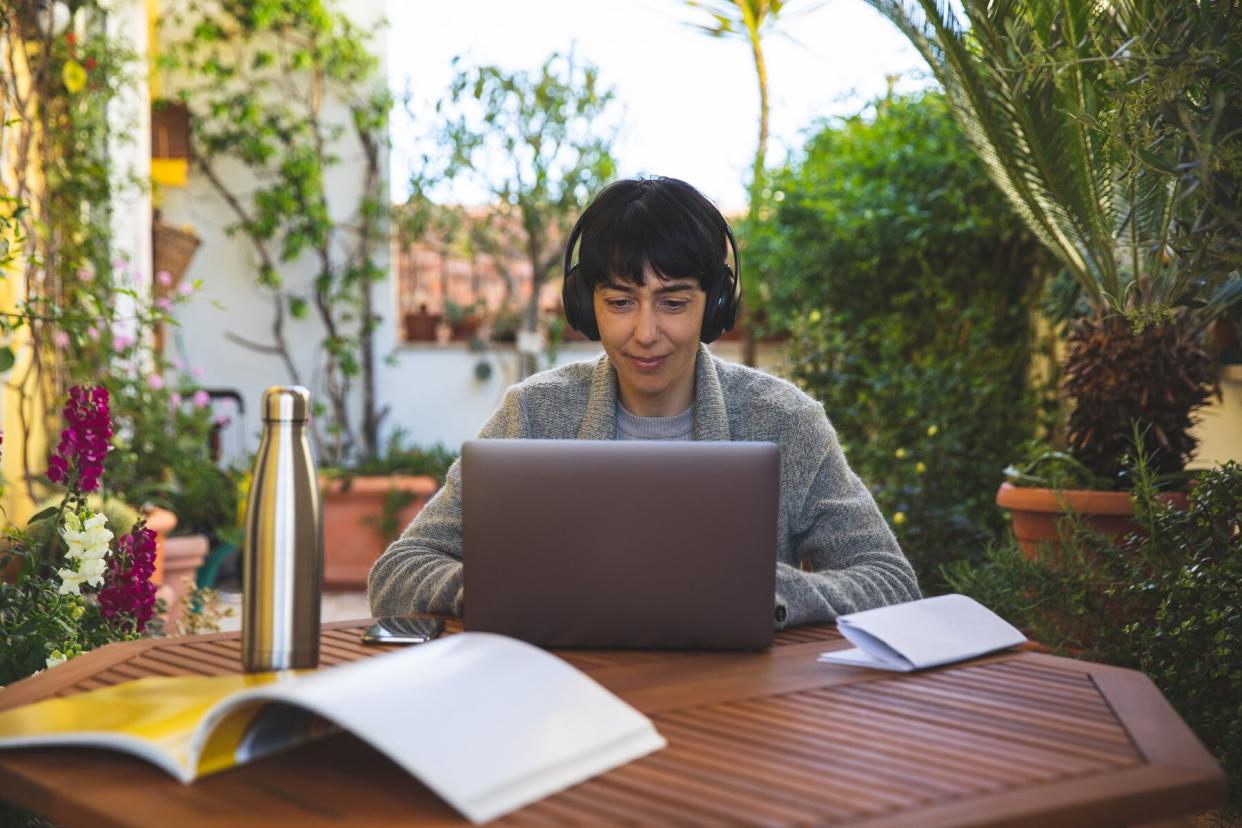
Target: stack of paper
<point>921,634</point>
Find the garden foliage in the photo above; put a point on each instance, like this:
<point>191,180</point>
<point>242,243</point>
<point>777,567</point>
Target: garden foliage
<point>1167,601</point>
<point>905,282</point>
<point>288,91</point>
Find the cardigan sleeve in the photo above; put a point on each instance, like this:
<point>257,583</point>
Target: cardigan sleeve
<point>855,561</point>
<point>421,571</point>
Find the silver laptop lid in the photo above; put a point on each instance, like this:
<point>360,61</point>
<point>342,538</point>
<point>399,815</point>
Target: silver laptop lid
<point>621,544</point>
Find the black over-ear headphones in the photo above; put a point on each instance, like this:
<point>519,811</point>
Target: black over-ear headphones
<point>578,296</point>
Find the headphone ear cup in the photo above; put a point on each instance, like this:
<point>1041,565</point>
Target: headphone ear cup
<point>730,298</point>
<point>721,307</point>
<point>579,301</point>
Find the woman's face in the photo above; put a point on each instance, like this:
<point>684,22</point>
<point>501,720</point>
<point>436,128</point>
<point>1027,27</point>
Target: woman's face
<point>651,334</point>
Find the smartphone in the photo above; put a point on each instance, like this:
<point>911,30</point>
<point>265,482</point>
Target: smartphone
<point>398,630</point>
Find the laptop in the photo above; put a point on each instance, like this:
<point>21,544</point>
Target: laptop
<point>599,543</point>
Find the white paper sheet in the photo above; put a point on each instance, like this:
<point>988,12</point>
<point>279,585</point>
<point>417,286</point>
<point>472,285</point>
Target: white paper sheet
<point>921,634</point>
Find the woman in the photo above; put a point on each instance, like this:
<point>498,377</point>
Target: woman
<point>652,285</point>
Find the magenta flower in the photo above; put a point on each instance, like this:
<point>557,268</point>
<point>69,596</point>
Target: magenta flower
<point>164,278</point>
<point>201,399</point>
<point>84,442</point>
<point>129,591</point>
<point>155,382</point>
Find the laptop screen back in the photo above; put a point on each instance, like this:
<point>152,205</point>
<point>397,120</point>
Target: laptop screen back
<point>621,544</point>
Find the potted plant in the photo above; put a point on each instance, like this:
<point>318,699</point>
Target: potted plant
<point>366,506</point>
<point>1114,132</point>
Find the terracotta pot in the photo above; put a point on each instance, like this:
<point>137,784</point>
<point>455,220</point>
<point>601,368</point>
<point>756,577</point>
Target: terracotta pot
<point>420,327</point>
<point>1036,513</point>
<point>183,555</point>
<point>352,510</point>
<point>161,522</point>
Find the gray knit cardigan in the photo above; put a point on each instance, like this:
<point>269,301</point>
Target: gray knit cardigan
<point>826,517</point>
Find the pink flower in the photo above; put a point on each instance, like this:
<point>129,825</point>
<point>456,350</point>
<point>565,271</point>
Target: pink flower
<point>93,333</point>
<point>201,399</point>
<point>175,399</point>
<point>177,364</point>
<point>196,372</point>
<point>164,303</point>
<point>129,592</point>
<point>120,265</point>
<point>222,421</point>
<point>122,341</point>
<point>84,443</point>
<point>60,339</point>
<point>85,274</point>
<point>164,278</point>
<point>155,382</point>
<point>185,289</point>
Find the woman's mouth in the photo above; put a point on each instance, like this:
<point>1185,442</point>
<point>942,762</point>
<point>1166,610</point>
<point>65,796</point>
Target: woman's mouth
<point>647,363</point>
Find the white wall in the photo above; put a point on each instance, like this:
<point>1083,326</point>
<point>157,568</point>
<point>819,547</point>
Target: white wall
<point>130,146</point>
<point>1219,426</point>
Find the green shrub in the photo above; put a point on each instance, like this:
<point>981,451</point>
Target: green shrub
<point>1167,601</point>
<point>398,458</point>
<point>906,284</point>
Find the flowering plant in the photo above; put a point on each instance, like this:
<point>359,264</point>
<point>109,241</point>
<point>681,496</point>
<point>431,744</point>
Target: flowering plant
<point>72,589</point>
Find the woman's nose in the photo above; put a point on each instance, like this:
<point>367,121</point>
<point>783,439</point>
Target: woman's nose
<point>648,326</point>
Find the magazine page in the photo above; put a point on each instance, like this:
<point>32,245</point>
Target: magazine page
<point>487,722</point>
<point>153,718</point>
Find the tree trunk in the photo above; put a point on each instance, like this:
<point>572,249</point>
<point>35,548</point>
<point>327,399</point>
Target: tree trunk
<point>750,347</point>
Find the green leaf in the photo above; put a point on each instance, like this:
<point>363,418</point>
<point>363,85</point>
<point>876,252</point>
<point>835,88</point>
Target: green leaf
<point>43,514</point>
<point>7,358</point>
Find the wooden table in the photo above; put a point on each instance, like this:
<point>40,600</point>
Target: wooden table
<point>771,738</point>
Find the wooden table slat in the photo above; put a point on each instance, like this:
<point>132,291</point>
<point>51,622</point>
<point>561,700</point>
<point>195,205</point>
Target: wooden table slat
<point>964,715</point>
<point>939,738</point>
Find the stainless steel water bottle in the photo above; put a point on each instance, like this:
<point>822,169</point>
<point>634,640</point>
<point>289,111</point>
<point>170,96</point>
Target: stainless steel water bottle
<point>282,561</point>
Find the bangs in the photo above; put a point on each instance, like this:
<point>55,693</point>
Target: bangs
<point>658,229</point>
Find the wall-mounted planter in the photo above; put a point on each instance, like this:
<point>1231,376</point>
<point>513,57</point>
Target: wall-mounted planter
<point>353,513</point>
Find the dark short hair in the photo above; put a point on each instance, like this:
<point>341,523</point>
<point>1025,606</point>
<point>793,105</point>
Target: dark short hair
<point>658,221</point>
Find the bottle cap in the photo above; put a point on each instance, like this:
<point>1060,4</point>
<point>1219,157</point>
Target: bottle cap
<point>286,404</point>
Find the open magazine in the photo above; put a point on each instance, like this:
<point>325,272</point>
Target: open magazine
<point>487,722</point>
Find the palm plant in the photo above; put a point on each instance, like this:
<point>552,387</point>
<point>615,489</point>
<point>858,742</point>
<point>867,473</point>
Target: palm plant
<point>749,21</point>
<point>1114,129</point>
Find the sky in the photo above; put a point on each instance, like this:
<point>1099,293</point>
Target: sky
<point>689,103</point>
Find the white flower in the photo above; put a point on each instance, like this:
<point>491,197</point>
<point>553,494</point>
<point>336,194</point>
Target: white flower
<point>87,539</point>
<point>88,547</point>
<point>92,570</point>
<point>71,581</point>
<point>57,657</point>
